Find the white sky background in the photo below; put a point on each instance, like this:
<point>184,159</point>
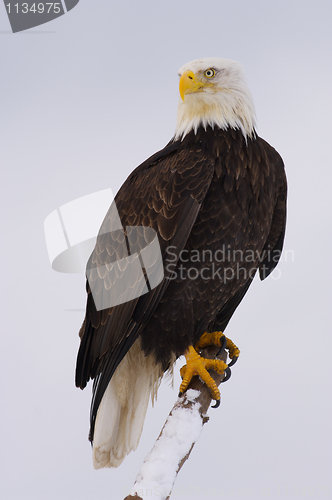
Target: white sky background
<point>84,100</point>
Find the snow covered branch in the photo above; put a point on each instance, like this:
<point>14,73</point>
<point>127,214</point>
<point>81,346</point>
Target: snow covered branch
<point>176,439</point>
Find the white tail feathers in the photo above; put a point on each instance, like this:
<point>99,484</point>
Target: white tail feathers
<point>122,410</point>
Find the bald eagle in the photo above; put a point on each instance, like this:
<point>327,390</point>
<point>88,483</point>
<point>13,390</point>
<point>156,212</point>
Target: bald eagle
<point>216,197</point>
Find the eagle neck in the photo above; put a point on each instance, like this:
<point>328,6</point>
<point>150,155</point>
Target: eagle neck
<point>229,109</point>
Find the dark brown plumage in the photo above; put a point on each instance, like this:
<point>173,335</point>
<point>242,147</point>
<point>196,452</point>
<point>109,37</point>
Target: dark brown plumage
<point>213,190</point>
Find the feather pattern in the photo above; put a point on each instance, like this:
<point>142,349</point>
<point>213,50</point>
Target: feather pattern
<point>214,190</point>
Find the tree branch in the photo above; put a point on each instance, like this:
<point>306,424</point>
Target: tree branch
<point>177,438</point>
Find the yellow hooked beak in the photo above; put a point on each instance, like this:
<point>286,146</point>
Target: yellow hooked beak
<point>189,84</point>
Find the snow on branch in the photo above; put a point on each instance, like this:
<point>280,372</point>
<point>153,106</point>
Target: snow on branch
<point>176,439</point>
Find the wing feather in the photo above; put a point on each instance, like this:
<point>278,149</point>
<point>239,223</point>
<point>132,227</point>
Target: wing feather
<point>164,193</point>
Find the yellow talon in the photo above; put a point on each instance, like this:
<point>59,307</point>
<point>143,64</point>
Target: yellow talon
<point>196,365</point>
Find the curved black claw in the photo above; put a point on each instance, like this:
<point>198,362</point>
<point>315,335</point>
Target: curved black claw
<point>180,394</point>
<point>234,360</point>
<point>222,348</point>
<point>217,404</point>
<point>228,374</point>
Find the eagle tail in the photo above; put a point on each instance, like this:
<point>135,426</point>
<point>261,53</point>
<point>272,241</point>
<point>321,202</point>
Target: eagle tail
<point>121,414</point>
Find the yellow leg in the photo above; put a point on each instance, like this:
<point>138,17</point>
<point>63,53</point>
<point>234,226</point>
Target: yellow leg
<point>233,351</point>
<point>218,339</point>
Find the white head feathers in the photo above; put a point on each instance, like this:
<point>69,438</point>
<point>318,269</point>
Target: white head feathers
<point>214,92</point>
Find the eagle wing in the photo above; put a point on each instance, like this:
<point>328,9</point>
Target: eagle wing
<point>272,249</point>
<point>164,193</point>
<point>273,246</point>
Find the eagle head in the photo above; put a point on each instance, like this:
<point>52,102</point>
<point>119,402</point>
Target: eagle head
<point>213,92</point>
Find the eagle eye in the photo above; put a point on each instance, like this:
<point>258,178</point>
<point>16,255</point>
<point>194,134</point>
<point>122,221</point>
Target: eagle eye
<point>209,73</point>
